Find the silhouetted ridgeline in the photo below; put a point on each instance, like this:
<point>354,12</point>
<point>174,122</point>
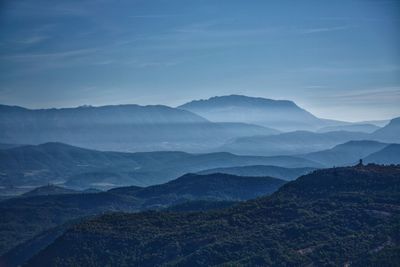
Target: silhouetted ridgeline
<point>332,217</point>
<point>262,170</point>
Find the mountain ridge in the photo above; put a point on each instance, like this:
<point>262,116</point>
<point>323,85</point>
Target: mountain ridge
<point>120,128</point>
<point>283,115</point>
<point>327,218</point>
<point>81,168</point>
<point>25,217</point>
<point>347,153</point>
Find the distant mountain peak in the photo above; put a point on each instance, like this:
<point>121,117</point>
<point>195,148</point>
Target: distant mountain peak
<point>239,100</point>
<point>279,114</point>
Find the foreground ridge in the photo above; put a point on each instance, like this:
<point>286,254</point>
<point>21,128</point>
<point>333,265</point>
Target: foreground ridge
<point>331,217</point>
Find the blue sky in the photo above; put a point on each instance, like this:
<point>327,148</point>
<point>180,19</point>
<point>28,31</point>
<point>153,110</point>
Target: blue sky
<point>338,59</point>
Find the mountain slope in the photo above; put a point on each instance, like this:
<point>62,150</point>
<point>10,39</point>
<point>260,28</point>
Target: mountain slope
<point>291,143</point>
<point>279,114</point>
<point>262,170</point>
<point>216,186</point>
<point>346,154</point>
<point>24,218</point>
<point>49,190</point>
<point>389,133</point>
<point>331,217</point>
<point>356,127</point>
<point>83,168</point>
<point>119,128</point>
<point>7,146</point>
<point>53,162</point>
<point>388,155</point>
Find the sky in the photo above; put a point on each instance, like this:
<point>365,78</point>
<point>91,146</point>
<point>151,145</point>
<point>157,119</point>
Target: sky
<point>337,59</point>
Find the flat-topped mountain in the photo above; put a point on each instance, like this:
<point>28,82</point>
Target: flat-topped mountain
<point>330,217</point>
<point>119,128</point>
<point>279,114</point>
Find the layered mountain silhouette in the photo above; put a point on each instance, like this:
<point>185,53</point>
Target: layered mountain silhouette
<point>121,127</point>
<point>215,186</point>
<point>80,168</point>
<point>364,128</point>
<point>234,123</point>
<point>299,142</point>
<point>262,170</point>
<point>348,153</point>
<point>388,155</point>
<point>279,114</point>
<point>290,143</point>
<point>389,133</point>
<point>330,217</point>
<point>24,218</point>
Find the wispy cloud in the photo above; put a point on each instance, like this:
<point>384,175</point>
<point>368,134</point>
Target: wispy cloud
<point>59,8</point>
<point>35,39</point>
<point>324,29</point>
<point>350,69</point>
<point>380,96</point>
<point>49,56</point>
<point>152,16</point>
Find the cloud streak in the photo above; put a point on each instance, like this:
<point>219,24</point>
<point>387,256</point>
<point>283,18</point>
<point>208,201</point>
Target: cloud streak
<point>380,96</point>
<point>50,56</point>
<point>324,29</point>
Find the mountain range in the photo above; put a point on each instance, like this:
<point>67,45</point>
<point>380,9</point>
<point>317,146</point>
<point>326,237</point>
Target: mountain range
<point>388,155</point>
<point>235,123</point>
<point>262,170</point>
<point>25,167</point>
<point>333,217</point>
<point>349,153</point>
<point>120,128</point>
<point>290,143</point>
<point>25,217</point>
<point>299,142</point>
<point>81,168</point>
<point>356,127</point>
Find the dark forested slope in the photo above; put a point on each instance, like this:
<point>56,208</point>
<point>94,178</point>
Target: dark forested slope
<point>23,218</point>
<point>332,217</point>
